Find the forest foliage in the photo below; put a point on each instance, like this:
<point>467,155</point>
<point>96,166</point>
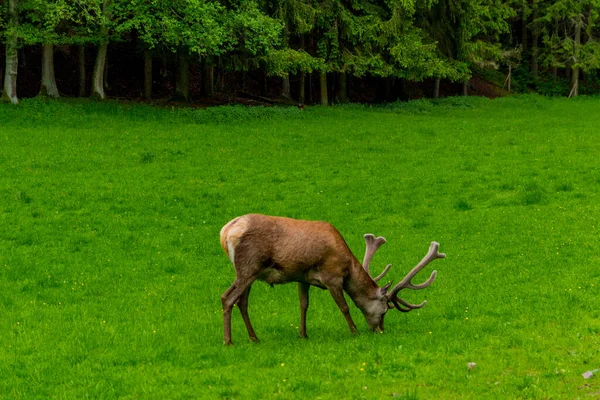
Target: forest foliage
<point>334,40</point>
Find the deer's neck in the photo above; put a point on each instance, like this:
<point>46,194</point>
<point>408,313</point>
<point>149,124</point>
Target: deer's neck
<point>360,286</point>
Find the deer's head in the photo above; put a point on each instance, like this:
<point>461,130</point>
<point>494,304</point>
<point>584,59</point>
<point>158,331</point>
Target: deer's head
<point>384,298</point>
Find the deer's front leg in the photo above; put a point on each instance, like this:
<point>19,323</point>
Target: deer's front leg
<point>338,295</point>
<point>303,294</point>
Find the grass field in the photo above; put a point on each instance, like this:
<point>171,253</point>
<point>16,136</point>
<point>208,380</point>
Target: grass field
<point>111,270</point>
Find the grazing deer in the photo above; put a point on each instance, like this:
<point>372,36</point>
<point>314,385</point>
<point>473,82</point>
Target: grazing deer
<point>281,250</point>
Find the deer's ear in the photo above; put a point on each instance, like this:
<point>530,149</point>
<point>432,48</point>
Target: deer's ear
<point>383,291</point>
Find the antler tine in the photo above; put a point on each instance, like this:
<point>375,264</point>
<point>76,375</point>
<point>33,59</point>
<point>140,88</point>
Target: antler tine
<point>409,306</point>
<point>373,244</point>
<point>432,254</point>
<point>381,275</point>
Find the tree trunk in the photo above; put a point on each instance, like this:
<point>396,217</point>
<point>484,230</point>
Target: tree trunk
<point>534,43</point>
<point>208,77</point>
<point>554,67</point>
<point>81,62</point>
<point>465,88</point>
<point>48,79</point>
<point>2,61</point>
<point>436,88</point>
<point>244,79</point>
<point>220,79</point>
<point>98,74</point>
<point>105,78</point>
<point>575,70</point>
<point>163,70</point>
<point>390,94</point>
<point>182,79</point>
<point>264,83</point>
<point>12,57</point>
<point>402,94</point>
<point>285,87</point>
<point>148,74</point>
<point>22,56</point>
<point>323,80</point>
<point>310,88</point>
<point>343,88</point>
<point>302,88</point>
<point>302,77</point>
<point>524,27</point>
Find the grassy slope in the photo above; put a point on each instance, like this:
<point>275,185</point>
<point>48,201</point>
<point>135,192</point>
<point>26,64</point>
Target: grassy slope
<point>111,272</point>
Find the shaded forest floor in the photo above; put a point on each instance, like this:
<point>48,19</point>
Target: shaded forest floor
<point>125,81</point>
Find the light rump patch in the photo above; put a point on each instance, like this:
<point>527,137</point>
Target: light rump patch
<point>231,234</point>
<point>231,252</point>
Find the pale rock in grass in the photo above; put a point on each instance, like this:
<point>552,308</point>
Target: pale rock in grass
<point>589,374</point>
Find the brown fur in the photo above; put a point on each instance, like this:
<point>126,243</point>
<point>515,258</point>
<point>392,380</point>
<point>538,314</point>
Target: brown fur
<point>279,250</point>
<point>290,250</point>
<point>312,253</point>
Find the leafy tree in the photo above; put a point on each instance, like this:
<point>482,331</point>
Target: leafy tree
<point>46,22</point>
<point>468,33</point>
<point>574,46</point>
<point>252,38</point>
<point>198,29</point>
<point>348,41</point>
<point>394,40</point>
<point>187,28</point>
<point>298,19</point>
<point>3,14</point>
<point>143,18</point>
<point>12,59</point>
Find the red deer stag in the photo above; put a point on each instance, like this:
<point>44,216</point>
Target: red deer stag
<point>281,250</point>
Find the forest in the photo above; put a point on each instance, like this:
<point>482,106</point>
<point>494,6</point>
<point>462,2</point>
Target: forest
<point>297,51</point>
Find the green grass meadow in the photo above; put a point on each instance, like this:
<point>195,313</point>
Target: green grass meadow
<point>111,270</point>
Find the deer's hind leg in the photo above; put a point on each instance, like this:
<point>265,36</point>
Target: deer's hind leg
<point>243,306</point>
<point>238,293</point>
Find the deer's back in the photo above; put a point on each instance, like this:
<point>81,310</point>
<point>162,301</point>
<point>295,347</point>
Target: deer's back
<point>286,249</point>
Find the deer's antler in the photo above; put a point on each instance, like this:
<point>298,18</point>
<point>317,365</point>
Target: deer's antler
<point>406,283</point>
<point>373,244</point>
